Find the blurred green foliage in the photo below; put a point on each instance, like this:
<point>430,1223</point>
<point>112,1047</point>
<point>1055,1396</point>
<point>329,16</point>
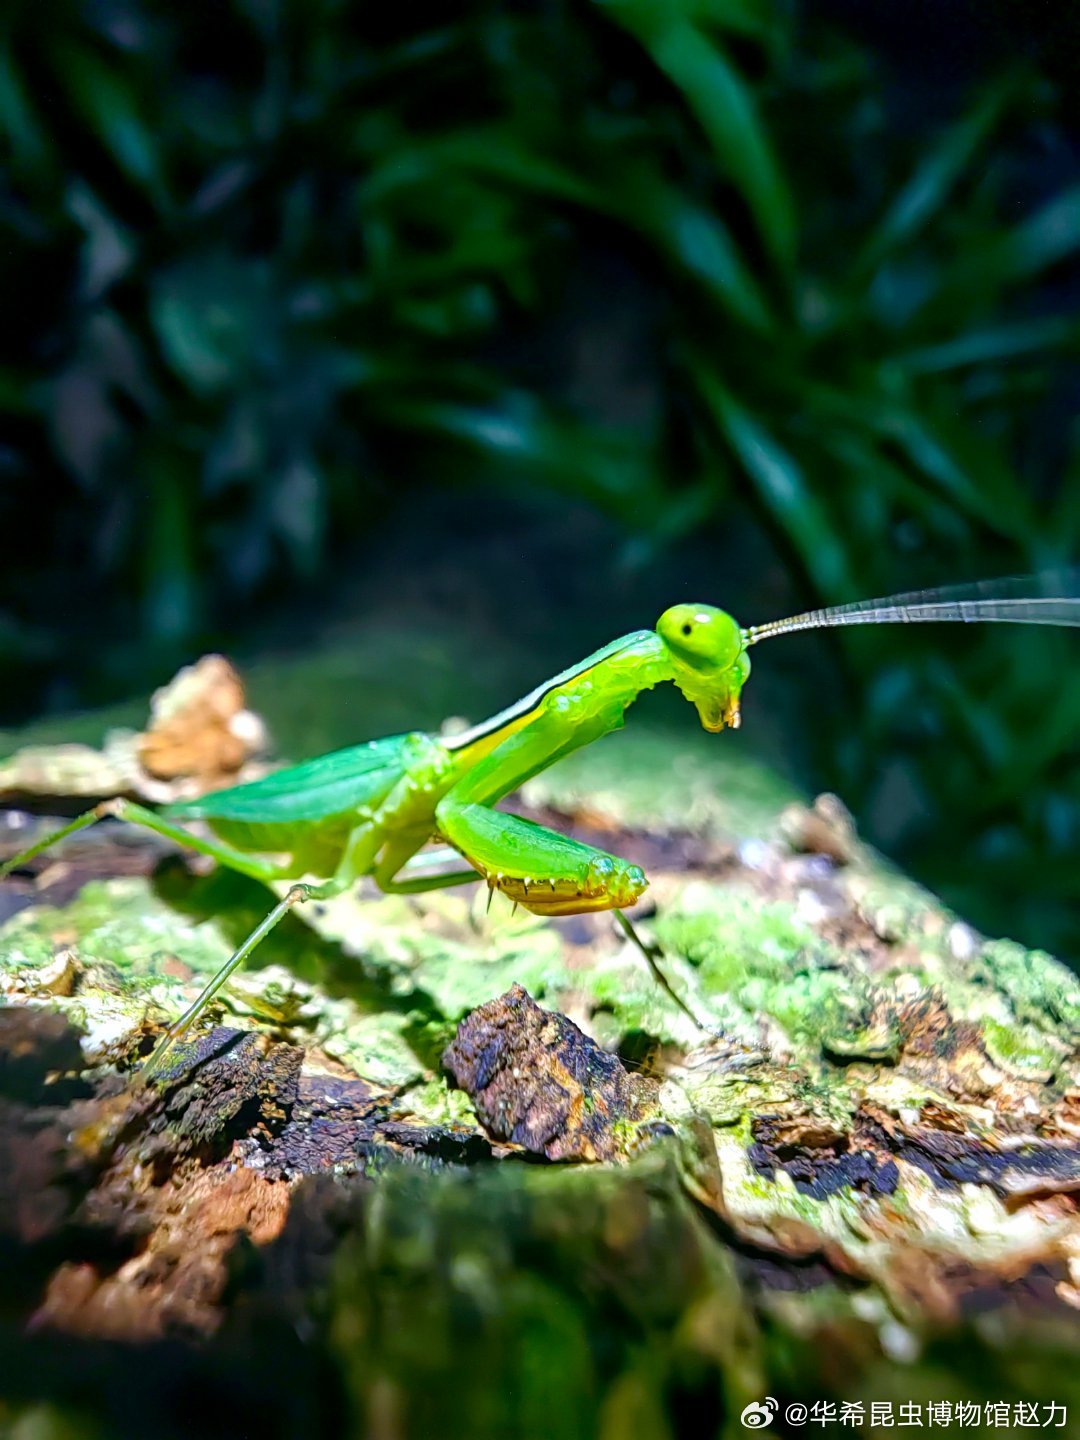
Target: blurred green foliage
<point>270,265</point>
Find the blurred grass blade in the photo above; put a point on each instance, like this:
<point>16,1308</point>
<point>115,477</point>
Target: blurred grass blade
<point>928,191</point>
<point>995,500</point>
<point>980,347</point>
<point>758,18</point>
<point>170,575</point>
<point>783,489</point>
<point>702,246</point>
<point>14,396</point>
<point>694,238</point>
<point>726,111</point>
<point>497,153</point>
<point>30,149</point>
<point>108,106</point>
<point>876,480</point>
<point>1049,236</point>
<point>609,468</point>
<point>1065,516</point>
<point>1020,255</point>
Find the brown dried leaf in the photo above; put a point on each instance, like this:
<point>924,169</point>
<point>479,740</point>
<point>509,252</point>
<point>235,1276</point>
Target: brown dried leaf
<point>825,828</point>
<point>200,737</point>
<point>199,728</point>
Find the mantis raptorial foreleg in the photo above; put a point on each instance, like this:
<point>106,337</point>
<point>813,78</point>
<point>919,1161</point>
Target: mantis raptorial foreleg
<point>548,873</point>
<point>545,871</point>
<point>562,876</point>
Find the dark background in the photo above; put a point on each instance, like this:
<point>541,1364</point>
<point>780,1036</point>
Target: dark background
<point>523,321</point>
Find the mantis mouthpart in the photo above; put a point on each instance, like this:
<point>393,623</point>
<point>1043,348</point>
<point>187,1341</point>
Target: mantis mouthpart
<point>370,809</point>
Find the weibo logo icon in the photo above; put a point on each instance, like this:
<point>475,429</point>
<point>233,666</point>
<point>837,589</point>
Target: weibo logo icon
<point>759,1413</point>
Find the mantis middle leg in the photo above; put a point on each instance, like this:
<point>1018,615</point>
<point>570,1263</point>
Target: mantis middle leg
<point>296,895</point>
<point>403,872</point>
<point>357,859</point>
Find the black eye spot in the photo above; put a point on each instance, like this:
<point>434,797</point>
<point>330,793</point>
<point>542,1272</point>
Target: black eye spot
<point>688,629</point>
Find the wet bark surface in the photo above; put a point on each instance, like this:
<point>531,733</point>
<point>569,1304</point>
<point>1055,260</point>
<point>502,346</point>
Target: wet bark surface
<point>427,1171</point>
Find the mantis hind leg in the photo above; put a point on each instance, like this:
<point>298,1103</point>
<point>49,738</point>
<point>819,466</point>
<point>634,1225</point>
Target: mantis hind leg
<point>356,860</point>
<point>89,817</point>
<point>258,869</point>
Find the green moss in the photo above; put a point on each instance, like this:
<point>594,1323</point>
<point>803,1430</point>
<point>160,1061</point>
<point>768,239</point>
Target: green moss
<point>756,960</point>
<point>1022,1049</point>
<point>1039,988</point>
<point>433,1103</point>
<point>803,1029</point>
<point>729,933</point>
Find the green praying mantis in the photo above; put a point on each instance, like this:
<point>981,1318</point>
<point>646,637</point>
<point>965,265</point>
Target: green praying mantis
<point>371,809</point>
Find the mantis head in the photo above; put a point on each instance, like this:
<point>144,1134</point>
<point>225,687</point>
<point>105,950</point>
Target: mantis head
<point>708,655</point>
<point>709,660</point>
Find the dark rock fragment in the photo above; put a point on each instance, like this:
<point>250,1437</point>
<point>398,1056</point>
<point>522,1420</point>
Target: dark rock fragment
<point>539,1082</point>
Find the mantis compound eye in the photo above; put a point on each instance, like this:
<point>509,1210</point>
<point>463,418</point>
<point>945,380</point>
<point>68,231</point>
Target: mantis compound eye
<point>701,636</point>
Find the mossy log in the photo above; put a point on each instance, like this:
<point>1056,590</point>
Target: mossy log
<point>438,1172</point>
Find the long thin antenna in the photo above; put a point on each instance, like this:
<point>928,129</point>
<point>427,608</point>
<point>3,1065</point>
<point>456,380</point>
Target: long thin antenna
<point>1049,599</point>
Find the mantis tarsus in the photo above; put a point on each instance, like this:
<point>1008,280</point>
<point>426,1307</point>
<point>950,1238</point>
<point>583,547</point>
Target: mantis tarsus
<point>370,809</point>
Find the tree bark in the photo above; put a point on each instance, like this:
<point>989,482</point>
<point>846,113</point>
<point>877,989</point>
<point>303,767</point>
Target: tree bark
<point>434,1172</point>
